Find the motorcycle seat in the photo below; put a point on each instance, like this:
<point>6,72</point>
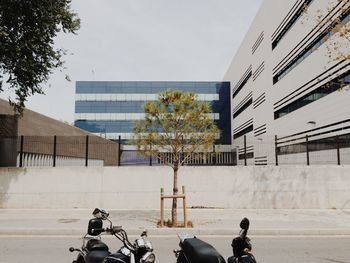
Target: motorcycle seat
<point>198,251</point>
<point>95,244</point>
<point>96,256</point>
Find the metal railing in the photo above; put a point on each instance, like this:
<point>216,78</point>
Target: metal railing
<point>293,150</point>
<point>132,157</point>
<point>26,151</point>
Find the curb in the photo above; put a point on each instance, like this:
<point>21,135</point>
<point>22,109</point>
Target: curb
<point>175,231</point>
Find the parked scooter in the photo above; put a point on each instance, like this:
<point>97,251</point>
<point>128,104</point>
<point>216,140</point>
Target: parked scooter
<point>194,250</point>
<point>94,250</point>
<point>241,246</point>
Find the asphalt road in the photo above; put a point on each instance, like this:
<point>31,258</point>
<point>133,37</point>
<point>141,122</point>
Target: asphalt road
<point>265,249</point>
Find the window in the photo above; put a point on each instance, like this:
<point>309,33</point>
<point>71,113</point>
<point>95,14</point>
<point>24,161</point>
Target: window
<point>317,145</point>
<point>242,132</point>
<point>248,156</point>
<point>290,24</point>
<point>307,51</point>
<point>241,109</point>
<point>314,95</point>
<point>238,89</point>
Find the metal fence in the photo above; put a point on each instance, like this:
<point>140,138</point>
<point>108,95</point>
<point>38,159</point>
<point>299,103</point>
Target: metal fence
<point>26,151</point>
<point>132,157</point>
<point>293,150</point>
<point>55,151</point>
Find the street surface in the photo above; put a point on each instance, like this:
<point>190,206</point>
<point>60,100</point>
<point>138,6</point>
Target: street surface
<point>266,249</point>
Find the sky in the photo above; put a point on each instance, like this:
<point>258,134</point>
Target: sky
<point>146,40</point>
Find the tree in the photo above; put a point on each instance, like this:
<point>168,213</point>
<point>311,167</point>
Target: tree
<point>27,52</point>
<point>175,127</point>
<point>337,32</point>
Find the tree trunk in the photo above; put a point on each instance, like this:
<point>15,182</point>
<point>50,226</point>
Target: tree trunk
<point>175,191</point>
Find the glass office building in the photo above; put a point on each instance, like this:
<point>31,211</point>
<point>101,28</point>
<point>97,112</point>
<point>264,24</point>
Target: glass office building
<point>108,108</point>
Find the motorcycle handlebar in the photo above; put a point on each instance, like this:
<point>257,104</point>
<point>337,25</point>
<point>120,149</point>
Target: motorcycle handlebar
<point>118,232</point>
<point>116,229</point>
<point>97,230</point>
<point>112,230</point>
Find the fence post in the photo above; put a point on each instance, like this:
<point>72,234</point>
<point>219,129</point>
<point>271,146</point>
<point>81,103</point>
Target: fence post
<point>150,157</point>
<point>338,150</point>
<point>87,151</point>
<point>245,150</point>
<point>307,150</point>
<point>184,206</point>
<point>276,150</point>
<point>54,150</point>
<point>214,154</point>
<point>119,149</point>
<point>161,207</point>
<point>21,152</point>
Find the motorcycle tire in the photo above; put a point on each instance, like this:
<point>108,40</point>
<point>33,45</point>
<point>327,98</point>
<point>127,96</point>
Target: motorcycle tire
<point>181,258</point>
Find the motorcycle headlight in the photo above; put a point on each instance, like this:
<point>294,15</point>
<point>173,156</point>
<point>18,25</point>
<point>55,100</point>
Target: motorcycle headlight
<point>148,258</point>
<point>149,245</point>
<point>140,242</point>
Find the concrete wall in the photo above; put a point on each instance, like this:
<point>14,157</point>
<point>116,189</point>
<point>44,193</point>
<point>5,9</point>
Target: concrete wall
<point>314,187</point>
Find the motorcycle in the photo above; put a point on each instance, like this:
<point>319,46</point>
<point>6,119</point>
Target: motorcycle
<point>94,250</point>
<point>194,250</point>
<point>241,246</point>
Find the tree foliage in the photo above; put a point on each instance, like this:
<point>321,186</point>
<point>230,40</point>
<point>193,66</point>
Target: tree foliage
<point>27,52</point>
<point>337,39</point>
<point>175,126</point>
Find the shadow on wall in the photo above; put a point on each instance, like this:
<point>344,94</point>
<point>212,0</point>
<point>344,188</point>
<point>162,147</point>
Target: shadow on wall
<point>7,177</point>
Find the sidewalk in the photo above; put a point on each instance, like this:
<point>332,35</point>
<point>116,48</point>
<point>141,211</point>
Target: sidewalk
<point>205,221</point>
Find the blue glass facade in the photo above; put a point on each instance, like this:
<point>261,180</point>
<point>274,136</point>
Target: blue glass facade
<point>102,126</point>
<point>104,100</point>
<point>147,87</point>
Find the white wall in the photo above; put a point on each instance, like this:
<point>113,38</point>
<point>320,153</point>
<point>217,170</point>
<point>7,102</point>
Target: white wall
<point>314,187</point>
<point>325,112</point>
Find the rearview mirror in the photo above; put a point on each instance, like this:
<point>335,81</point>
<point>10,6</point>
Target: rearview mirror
<point>244,224</point>
<point>95,227</point>
<point>100,213</point>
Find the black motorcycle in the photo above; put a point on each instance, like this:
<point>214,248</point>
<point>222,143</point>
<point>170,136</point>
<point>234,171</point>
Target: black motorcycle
<point>94,250</point>
<point>241,246</point>
<point>194,250</point>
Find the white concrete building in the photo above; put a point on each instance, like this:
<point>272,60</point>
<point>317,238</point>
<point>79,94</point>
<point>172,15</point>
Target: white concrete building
<point>284,83</point>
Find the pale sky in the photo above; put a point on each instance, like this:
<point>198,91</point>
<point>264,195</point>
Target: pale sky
<point>146,40</point>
